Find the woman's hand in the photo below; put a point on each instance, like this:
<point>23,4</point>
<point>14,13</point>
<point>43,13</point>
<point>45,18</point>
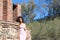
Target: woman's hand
<point>17,28</point>
<point>26,34</point>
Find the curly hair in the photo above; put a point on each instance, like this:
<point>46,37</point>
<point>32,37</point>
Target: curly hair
<point>18,19</point>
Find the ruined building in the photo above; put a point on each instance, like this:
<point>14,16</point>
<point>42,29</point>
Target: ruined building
<point>8,14</point>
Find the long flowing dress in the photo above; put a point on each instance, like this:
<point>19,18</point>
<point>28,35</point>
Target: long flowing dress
<point>22,32</point>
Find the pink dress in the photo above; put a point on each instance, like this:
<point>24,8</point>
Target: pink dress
<point>22,32</point>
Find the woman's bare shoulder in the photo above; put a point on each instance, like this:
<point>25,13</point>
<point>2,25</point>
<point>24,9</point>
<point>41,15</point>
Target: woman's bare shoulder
<point>24,24</point>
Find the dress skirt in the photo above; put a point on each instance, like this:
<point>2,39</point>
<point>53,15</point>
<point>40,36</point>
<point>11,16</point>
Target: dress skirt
<point>22,34</point>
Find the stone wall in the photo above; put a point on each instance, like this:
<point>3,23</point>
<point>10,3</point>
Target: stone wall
<point>8,31</point>
<point>8,28</point>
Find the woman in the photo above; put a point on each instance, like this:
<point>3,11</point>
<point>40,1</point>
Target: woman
<point>22,28</point>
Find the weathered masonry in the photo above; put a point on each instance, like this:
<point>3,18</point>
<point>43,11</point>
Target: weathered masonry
<point>8,14</point>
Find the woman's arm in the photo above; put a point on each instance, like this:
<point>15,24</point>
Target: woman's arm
<point>17,28</point>
<point>26,31</point>
<point>25,27</point>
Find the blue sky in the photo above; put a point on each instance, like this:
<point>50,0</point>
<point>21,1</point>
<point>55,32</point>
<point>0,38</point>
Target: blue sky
<point>39,15</point>
<point>19,1</point>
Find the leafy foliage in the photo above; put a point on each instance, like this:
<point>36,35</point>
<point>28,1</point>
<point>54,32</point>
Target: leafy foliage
<point>28,11</point>
<point>49,30</point>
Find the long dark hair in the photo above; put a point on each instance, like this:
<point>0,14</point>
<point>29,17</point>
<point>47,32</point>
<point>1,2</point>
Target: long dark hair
<point>18,19</point>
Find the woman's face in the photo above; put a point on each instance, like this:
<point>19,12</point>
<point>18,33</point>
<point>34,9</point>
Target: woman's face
<point>20,19</point>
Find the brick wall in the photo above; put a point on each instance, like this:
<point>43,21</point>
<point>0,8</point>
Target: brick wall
<point>9,10</point>
<point>1,9</point>
<point>16,11</point>
<point>4,10</point>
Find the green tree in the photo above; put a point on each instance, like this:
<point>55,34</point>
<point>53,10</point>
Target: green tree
<point>53,9</point>
<point>28,10</point>
<point>56,7</point>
